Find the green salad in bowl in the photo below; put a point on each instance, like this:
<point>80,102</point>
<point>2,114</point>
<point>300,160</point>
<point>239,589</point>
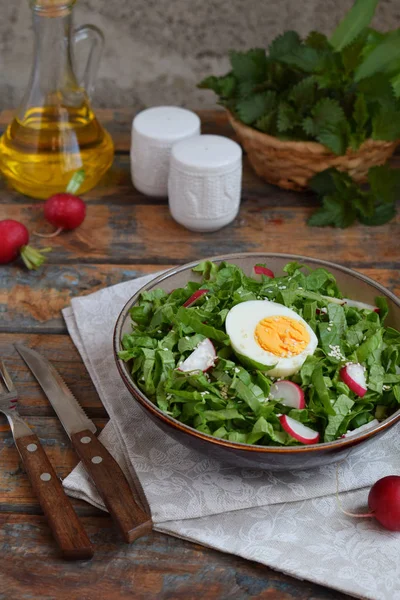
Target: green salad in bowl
<point>265,360</point>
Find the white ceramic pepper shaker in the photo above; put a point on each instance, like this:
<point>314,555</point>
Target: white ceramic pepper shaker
<point>204,185</point>
<point>154,132</point>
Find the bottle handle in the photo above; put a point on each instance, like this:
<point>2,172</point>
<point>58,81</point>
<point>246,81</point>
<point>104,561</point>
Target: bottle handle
<point>96,40</point>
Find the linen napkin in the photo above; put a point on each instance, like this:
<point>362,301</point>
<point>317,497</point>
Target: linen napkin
<point>288,521</point>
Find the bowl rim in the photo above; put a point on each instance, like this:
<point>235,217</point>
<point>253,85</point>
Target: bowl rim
<point>240,446</point>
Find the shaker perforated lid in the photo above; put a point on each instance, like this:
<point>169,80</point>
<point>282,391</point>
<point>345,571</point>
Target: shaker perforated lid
<point>207,153</point>
<point>166,123</point>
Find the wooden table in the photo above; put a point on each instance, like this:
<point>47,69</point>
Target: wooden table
<point>124,235</point>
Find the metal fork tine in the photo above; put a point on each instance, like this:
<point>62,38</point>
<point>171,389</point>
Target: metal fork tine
<point>6,377</point>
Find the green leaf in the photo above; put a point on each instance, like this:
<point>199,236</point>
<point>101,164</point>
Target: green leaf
<point>287,117</point>
<point>395,81</point>
<point>382,214</point>
<point>222,86</point>
<point>250,65</point>
<point>328,124</point>
<point>267,123</point>
<point>321,389</point>
<point>352,55</point>
<point>188,317</point>
<point>246,88</point>
<point>334,211</point>
<point>303,94</point>
<point>386,125</point>
<point>385,183</point>
<point>251,109</point>
<point>317,40</point>
<point>323,183</point>
<point>360,111</point>
<point>357,19</point>
<point>334,140</point>
<point>378,89</point>
<point>342,407</point>
<point>327,113</point>
<point>284,44</point>
<point>302,57</point>
<point>360,119</point>
<point>381,58</point>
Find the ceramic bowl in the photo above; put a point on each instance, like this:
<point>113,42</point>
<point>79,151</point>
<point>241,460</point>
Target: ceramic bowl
<point>352,284</point>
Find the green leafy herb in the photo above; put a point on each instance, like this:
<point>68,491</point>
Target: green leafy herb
<point>339,92</point>
<point>356,20</point>
<point>344,201</point>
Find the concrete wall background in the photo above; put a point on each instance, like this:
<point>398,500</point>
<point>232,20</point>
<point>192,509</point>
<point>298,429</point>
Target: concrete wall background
<point>157,50</point>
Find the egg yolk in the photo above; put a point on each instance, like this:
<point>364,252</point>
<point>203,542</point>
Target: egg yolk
<point>282,336</point>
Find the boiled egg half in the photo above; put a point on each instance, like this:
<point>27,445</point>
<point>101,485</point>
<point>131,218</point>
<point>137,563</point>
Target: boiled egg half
<point>271,334</point>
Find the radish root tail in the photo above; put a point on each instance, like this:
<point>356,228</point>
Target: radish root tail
<point>48,235</point>
<point>339,502</point>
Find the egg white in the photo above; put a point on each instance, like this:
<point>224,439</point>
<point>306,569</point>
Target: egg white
<point>241,322</point>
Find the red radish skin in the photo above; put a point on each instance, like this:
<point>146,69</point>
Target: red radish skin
<point>353,376</point>
<point>384,502</point>
<point>289,393</point>
<point>14,238</point>
<point>298,431</point>
<point>260,270</point>
<point>64,211</point>
<point>201,359</point>
<point>194,297</point>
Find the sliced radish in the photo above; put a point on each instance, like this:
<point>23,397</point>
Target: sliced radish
<point>353,375</point>
<point>352,303</point>
<point>289,393</point>
<point>194,297</point>
<point>369,425</point>
<point>298,431</point>
<point>259,270</point>
<point>201,359</point>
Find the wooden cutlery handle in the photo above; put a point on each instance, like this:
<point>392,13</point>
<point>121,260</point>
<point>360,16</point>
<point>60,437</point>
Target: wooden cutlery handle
<point>112,485</point>
<point>64,523</point>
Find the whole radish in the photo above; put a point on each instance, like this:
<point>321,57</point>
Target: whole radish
<point>383,502</point>
<point>14,238</point>
<point>65,211</point>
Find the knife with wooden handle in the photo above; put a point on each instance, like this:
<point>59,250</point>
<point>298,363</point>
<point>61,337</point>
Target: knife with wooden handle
<point>107,475</point>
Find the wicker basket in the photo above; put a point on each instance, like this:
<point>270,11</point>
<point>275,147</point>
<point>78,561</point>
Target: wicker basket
<point>291,165</point>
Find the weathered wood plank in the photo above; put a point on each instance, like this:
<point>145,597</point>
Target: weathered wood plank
<point>142,234</point>
<point>38,297</point>
<point>155,566</point>
<point>32,300</point>
<point>60,350</point>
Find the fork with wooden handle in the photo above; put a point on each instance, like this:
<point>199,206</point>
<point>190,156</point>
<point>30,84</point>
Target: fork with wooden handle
<point>63,521</point>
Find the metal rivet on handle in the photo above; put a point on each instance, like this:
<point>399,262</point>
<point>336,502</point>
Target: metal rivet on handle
<point>97,459</point>
<point>45,477</point>
<point>85,439</point>
<point>31,447</point>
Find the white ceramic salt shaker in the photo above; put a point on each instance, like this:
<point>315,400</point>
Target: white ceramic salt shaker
<point>204,185</point>
<point>154,132</point>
